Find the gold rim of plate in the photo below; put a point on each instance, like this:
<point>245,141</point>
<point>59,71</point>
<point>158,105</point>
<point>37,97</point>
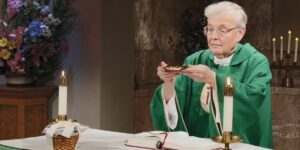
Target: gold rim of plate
<point>175,68</point>
<point>235,139</point>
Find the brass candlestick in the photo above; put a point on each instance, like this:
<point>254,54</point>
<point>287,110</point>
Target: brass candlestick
<point>63,80</point>
<point>287,81</point>
<point>227,139</point>
<point>228,90</point>
<point>62,118</point>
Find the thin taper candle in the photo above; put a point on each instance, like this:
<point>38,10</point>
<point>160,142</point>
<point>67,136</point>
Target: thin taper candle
<point>296,50</point>
<point>281,48</point>
<point>274,50</point>
<point>289,42</point>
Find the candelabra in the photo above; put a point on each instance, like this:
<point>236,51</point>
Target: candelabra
<point>287,65</point>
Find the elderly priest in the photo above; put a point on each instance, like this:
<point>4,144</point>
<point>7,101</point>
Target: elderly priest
<point>192,99</point>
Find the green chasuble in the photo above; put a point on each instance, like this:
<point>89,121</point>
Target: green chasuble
<point>250,74</point>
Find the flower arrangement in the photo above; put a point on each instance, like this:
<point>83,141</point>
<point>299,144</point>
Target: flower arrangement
<point>34,36</point>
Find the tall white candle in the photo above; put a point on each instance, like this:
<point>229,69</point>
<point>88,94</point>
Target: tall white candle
<point>274,50</point>
<point>281,48</point>
<point>228,106</point>
<point>296,50</point>
<point>62,98</point>
<point>289,42</point>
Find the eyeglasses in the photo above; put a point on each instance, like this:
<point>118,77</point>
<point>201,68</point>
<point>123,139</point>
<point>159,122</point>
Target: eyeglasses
<point>220,30</point>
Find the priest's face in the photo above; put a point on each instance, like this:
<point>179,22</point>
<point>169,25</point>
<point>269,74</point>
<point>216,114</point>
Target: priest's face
<point>223,34</point>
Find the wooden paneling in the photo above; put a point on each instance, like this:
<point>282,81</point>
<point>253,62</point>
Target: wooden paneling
<point>23,111</point>
<point>142,117</point>
<point>35,119</point>
<point>148,61</point>
<point>8,122</point>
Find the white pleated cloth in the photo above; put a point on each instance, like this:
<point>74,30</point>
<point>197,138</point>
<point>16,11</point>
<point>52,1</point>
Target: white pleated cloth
<point>64,128</point>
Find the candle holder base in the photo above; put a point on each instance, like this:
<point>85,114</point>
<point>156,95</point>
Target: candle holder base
<point>287,80</point>
<point>227,139</point>
<point>62,117</point>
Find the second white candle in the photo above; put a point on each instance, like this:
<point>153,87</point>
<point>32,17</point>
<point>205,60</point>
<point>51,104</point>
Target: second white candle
<point>228,113</point>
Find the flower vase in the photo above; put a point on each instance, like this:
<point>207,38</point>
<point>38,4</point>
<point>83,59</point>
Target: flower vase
<point>18,80</point>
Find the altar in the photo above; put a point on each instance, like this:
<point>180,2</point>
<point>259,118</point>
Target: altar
<point>94,139</point>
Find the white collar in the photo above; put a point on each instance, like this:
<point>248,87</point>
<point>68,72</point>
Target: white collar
<point>224,61</point>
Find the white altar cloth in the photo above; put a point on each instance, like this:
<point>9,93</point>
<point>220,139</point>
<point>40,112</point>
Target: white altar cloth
<point>94,139</point>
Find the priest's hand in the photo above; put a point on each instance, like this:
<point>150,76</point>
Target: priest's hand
<point>168,78</point>
<point>201,73</point>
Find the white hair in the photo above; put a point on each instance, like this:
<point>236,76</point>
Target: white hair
<point>227,8</point>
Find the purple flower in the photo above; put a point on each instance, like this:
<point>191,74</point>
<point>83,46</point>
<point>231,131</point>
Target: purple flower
<point>13,6</point>
<point>35,28</point>
<point>45,10</point>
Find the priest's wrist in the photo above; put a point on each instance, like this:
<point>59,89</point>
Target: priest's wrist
<point>168,90</point>
<point>212,80</point>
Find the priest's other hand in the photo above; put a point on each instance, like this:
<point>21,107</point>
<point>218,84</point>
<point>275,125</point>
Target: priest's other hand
<point>167,77</point>
<point>201,73</point>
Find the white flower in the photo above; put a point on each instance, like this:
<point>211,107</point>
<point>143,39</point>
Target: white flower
<point>4,23</point>
<point>56,22</point>
<point>12,35</point>
<point>46,31</point>
<point>47,21</point>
